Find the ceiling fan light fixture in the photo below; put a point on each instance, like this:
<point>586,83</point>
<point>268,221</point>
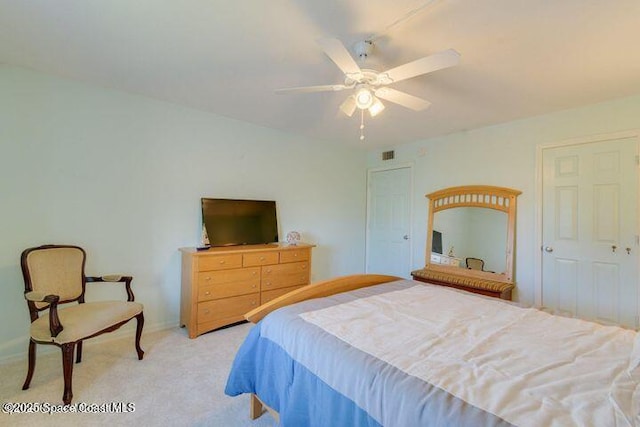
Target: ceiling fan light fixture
<point>376,107</point>
<point>364,98</point>
<point>349,106</point>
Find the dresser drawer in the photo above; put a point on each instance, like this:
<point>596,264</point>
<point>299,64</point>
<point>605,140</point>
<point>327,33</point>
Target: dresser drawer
<point>228,283</point>
<point>295,255</point>
<point>260,258</point>
<point>220,262</point>
<point>228,307</point>
<point>284,275</point>
<point>208,278</point>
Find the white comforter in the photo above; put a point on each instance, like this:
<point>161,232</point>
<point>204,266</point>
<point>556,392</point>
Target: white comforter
<point>523,365</point>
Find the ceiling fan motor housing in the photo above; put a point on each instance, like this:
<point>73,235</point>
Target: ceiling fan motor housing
<point>363,49</point>
<point>366,76</point>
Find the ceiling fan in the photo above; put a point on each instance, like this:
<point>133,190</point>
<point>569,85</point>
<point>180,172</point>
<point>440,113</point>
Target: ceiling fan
<point>369,86</point>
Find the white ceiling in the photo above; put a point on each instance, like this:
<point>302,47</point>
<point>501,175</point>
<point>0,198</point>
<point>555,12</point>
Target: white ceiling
<point>519,57</point>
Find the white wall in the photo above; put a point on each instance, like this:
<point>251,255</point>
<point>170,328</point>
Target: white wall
<point>503,155</point>
<point>122,175</point>
<point>487,233</point>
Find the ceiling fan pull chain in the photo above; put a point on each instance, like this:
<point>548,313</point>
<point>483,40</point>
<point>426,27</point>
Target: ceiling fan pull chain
<point>361,125</point>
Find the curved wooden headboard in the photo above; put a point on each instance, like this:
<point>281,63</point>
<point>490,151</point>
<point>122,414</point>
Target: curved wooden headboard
<point>318,290</point>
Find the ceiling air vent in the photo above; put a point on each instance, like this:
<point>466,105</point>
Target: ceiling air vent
<point>388,155</point>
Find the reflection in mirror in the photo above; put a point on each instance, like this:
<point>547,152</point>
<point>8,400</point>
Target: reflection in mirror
<point>472,232</point>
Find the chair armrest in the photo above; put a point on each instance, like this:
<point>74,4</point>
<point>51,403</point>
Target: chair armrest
<point>115,278</point>
<point>55,327</point>
<point>35,296</point>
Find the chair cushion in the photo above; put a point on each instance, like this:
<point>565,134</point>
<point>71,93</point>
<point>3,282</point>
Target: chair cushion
<point>83,320</point>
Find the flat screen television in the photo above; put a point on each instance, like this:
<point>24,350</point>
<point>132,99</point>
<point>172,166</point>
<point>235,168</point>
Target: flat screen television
<point>436,242</point>
<point>231,222</point>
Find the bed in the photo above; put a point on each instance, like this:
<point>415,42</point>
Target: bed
<point>376,350</point>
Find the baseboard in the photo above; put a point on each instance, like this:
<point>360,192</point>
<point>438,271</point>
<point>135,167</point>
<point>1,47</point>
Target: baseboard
<point>21,342</point>
<point>125,332</point>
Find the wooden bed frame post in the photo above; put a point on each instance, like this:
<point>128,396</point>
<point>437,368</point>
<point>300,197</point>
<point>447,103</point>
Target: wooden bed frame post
<point>255,409</point>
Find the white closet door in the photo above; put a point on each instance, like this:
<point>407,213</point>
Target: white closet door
<point>590,227</point>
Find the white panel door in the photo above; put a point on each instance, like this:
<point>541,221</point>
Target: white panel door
<point>590,243</point>
<point>388,222</point>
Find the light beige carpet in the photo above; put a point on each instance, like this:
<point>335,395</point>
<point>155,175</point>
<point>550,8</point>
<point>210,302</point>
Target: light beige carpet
<point>180,382</point>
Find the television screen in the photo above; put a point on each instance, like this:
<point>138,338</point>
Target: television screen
<point>239,222</point>
<point>436,242</point>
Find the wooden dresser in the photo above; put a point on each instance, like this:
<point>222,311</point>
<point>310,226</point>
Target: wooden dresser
<point>220,285</point>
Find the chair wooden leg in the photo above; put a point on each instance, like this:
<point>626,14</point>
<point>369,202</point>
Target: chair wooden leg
<point>32,364</point>
<point>79,352</point>
<point>67,368</point>
<point>140,324</point>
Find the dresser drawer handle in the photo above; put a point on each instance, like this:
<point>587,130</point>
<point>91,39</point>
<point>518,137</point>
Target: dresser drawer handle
<point>207,311</point>
<point>207,293</point>
<point>267,283</point>
<point>253,286</point>
<point>295,254</point>
<point>268,270</point>
<point>253,303</point>
<point>261,258</point>
<point>207,278</point>
<point>254,273</point>
<point>221,261</point>
<point>304,267</point>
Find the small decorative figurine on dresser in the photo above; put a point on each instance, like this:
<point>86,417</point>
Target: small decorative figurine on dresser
<point>293,238</point>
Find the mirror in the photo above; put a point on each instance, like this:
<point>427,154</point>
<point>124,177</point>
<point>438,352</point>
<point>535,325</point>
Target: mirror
<point>476,221</point>
<point>472,232</point>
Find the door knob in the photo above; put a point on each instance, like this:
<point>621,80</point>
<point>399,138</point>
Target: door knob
<point>548,249</point>
<point>405,237</point>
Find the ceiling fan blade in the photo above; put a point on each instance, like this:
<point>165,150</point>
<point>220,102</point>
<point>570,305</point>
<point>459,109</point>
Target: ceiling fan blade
<point>428,64</point>
<point>341,56</point>
<point>401,98</point>
<point>309,89</point>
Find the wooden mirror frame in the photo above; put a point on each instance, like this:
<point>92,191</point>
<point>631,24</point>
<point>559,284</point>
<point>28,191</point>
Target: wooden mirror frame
<point>480,196</point>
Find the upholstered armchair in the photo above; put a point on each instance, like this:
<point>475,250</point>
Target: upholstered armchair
<point>53,277</point>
